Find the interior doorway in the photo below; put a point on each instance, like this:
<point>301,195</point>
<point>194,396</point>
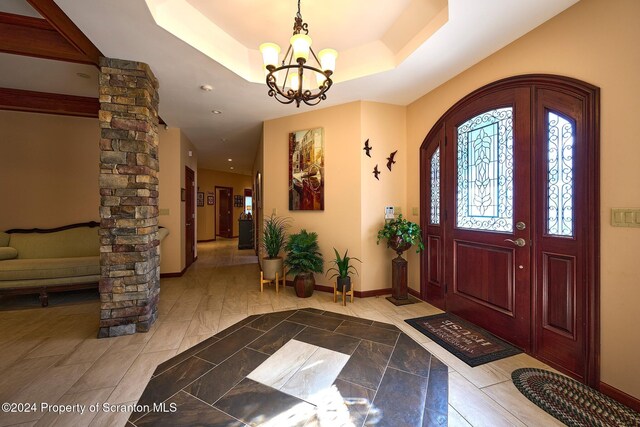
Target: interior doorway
<point>189,216</point>
<point>225,212</point>
<point>510,211</point>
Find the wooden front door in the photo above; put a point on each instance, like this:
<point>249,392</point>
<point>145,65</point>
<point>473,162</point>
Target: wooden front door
<point>488,169</point>
<point>510,216</point>
<point>225,209</point>
<point>190,217</point>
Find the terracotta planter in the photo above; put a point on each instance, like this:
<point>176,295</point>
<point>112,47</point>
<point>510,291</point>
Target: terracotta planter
<point>343,284</point>
<point>271,266</point>
<point>303,284</point>
<point>397,244</point>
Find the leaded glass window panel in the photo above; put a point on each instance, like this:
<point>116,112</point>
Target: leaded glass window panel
<point>435,187</point>
<point>485,171</point>
<point>560,175</point>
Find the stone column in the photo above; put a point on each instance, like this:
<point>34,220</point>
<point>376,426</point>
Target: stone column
<point>129,246</point>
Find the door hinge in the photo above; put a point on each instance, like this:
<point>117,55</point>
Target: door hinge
<point>445,214</point>
<point>445,287</point>
<point>445,140</point>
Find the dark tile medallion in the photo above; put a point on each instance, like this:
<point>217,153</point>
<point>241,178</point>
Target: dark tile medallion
<point>388,380</point>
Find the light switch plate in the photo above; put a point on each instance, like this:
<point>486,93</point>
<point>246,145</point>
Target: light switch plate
<point>414,211</point>
<point>625,217</point>
<point>163,212</point>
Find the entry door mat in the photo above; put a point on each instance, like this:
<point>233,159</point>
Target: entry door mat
<point>571,402</point>
<point>468,342</point>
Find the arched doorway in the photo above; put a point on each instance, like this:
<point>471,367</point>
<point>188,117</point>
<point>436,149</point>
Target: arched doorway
<point>510,212</point>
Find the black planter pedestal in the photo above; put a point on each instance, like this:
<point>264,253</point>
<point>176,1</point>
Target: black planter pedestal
<point>399,294</point>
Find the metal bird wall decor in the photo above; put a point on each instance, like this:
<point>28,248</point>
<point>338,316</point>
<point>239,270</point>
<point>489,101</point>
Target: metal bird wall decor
<point>376,172</point>
<point>367,148</point>
<point>390,160</point>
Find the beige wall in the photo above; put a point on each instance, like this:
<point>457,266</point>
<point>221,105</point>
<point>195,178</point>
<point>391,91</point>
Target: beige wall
<point>354,199</point>
<point>595,41</point>
<point>188,158</point>
<point>258,167</point>
<point>339,224</point>
<point>41,158</point>
<point>50,163</point>
<point>385,127</point>
<point>208,215</point>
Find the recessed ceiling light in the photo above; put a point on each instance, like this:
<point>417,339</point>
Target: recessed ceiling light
<point>83,75</point>
<point>216,111</point>
<point>230,160</point>
<point>206,88</point>
<point>223,139</point>
<point>231,167</point>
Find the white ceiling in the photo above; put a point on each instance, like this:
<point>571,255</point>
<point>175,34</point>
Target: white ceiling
<point>126,29</point>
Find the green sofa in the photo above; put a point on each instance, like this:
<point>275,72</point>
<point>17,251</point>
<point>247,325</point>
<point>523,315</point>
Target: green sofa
<point>43,261</point>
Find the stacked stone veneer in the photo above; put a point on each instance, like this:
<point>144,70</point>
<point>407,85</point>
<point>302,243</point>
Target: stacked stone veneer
<point>129,246</point>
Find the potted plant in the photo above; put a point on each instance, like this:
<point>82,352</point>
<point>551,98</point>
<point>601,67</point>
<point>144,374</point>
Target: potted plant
<point>273,240</point>
<point>304,259</point>
<point>342,269</point>
<point>401,234</point>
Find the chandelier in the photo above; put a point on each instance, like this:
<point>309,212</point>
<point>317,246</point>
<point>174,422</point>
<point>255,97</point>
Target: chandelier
<point>289,82</point>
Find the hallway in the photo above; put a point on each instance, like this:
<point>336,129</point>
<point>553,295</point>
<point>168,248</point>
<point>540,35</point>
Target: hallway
<point>52,355</point>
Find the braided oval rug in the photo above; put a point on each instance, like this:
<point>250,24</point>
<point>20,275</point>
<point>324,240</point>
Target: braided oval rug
<point>572,402</point>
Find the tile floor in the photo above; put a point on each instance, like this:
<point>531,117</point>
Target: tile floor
<point>305,367</point>
<point>52,355</point>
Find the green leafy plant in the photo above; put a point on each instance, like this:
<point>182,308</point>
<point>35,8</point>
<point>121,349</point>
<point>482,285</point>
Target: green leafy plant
<point>303,253</point>
<point>402,229</point>
<point>342,265</point>
<point>274,235</point>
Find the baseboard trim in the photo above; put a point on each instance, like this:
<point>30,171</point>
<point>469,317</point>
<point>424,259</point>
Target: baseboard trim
<point>620,396</point>
<point>176,274</point>
<point>207,240</point>
<point>373,293</point>
<point>415,293</point>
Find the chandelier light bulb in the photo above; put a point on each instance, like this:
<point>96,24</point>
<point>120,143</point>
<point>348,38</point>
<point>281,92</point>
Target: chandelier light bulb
<point>270,52</point>
<point>327,59</point>
<point>301,43</point>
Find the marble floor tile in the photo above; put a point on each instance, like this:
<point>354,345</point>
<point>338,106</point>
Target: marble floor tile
<point>260,405</point>
<point>217,382</point>
<point>394,404</point>
<point>189,411</point>
<point>367,364</point>
<point>281,366</point>
<point>371,333</point>
<point>134,381</point>
<point>327,339</point>
<point>168,336</point>
<point>312,382</point>
<point>225,347</point>
<point>273,340</point>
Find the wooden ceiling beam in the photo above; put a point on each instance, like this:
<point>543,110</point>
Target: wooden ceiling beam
<point>48,103</point>
<point>24,35</point>
<point>66,27</point>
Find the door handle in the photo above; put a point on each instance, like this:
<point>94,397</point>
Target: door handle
<point>520,242</point>
<point>188,224</point>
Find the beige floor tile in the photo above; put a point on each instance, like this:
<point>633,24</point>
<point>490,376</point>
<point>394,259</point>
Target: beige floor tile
<point>204,323</point>
<point>475,406</point>
<point>135,380</point>
<point>480,376</point>
<point>456,420</point>
<point>107,371</point>
<point>182,310</point>
<point>168,336</point>
<point>190,341</point>
<point>46,389</point>
<point>259,309</point>
<point>22,373</point>
<point>507,395</point>
<point>89,350</point>
<point>82,409</point>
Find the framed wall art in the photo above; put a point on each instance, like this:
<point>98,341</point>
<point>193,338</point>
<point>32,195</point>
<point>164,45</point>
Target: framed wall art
<point>200,199</point>
<point>211,200</point>
<point>306,170</point>
<point>237,201</point>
